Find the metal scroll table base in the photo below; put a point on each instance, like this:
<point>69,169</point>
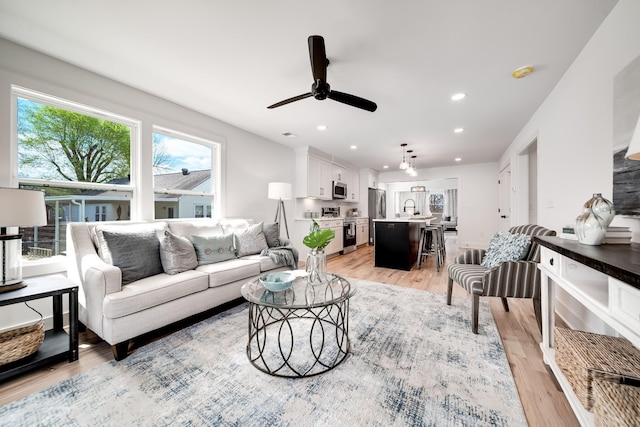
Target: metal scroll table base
<point>298,342</point>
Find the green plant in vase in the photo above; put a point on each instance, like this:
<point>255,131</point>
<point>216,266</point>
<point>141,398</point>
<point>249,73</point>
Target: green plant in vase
<point>316,263</point>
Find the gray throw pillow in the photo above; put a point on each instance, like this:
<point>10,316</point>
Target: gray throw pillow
<point>136,254</point>
<point>177,254</point>
<point>271,232</point>
<point>506,247</point>
<point>251,241</point>
<point>212,249</point>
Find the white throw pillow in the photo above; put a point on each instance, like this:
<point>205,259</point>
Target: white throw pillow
<point>506,247</point>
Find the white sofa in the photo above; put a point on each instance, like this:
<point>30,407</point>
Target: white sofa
<point>118,312</point>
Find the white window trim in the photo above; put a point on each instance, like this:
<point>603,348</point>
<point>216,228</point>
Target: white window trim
<point>216,171</point>
<point>134,125</point>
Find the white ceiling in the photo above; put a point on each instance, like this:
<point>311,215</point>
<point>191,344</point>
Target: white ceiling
<point>230,59</point>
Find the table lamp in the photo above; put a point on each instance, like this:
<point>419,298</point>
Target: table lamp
<point>18,208</point>
<point>280,191</point>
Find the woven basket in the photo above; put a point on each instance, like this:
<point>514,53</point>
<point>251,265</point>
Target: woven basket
<point>616,404</point>
<point>584,356</point>
<point>21,342</point>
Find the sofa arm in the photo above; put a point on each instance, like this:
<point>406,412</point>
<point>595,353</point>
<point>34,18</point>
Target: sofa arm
<point>513,279</point>
<point>472,256</point>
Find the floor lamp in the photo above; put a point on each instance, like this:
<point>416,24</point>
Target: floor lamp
<point>20,208</point>
<point>280,191</point>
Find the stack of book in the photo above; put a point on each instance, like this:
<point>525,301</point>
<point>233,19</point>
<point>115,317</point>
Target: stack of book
<point>618,235</point>
<point>568,232</point>
<point>613,235</point>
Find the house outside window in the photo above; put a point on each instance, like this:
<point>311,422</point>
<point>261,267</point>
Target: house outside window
<point>185,175</point>
<point>79,156</point>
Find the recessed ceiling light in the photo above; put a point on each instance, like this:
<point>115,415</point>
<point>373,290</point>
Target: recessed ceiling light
<point>457,159</point>
<point>522,72</point>
<point>322,127</point>
<point>385,167</point>
<point>354,147</point>
<point>458,130</point>
<point>289,134</point>
<point>458,96</point>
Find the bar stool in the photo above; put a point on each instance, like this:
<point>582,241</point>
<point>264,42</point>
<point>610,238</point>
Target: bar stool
<point>432,242</point>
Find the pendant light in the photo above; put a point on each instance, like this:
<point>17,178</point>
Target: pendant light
<point>403,164</point>
<point>409,168</point>
<point>412,168</point>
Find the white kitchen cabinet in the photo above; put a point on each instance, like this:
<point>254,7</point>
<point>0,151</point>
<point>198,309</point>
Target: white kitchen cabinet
<point>339,173</point>
<point>337,225</point>
<point>353,187</point>
<point>313,177</point>
<point>362,231</point>
<point>372,180</point>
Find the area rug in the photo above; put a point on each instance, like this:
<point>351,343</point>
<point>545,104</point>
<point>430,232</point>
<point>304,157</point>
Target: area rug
<point>413,362</point>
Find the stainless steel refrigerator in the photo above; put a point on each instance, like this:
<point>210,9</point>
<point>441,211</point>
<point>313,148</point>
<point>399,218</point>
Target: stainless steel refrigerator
<point>377,209</point>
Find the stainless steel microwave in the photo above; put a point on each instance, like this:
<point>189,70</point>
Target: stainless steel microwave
<point>339,190</point>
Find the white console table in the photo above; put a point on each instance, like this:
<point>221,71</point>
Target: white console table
<point>604,279</point>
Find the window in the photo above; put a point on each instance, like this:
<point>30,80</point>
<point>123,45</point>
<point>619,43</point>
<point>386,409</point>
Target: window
<point>79,156</point>
<point>185,171</point>
<point>436,203</point>
<point>101,213</point>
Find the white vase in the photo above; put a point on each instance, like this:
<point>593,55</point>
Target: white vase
<point>601,207</point>
<point>590,228</point>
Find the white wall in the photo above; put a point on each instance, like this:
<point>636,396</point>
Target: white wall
<point>249,162</point>
<point>256,161</point>
<point>477,198</point>
<point>574,129</point>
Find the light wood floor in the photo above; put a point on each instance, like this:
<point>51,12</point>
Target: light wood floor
<point>543,401</point>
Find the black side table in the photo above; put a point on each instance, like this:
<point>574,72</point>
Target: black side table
<point>57,344</point>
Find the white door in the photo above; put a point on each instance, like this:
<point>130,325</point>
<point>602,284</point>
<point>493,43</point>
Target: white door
<point>504,199</point>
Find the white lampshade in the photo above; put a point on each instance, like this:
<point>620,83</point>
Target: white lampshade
<point>279,191</point>
<point>633,152</point>
<point>22,208</point>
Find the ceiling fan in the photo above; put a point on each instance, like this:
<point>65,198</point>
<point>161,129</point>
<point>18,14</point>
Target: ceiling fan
<point>320,89</point>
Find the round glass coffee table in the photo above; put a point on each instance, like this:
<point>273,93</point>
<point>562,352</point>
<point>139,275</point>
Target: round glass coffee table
<point>299,332</point>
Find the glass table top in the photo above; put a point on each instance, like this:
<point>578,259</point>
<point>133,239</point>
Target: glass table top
<point>300,294</point>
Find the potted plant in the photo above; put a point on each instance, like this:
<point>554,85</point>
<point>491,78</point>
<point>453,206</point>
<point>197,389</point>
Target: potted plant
<point>316,263</point>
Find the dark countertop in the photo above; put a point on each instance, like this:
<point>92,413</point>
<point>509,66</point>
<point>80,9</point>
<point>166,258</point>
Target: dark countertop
<point>621,262</point>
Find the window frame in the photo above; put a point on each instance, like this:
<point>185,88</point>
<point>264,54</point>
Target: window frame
<point>216,172</point>
<point>76,107</point>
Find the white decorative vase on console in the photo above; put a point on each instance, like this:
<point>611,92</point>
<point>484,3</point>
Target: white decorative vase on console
<point>591,226</point>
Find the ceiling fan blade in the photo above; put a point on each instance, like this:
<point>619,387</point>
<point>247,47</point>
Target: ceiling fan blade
<point>354,101</point>
<point>318,57</point>
<point>287,101</point>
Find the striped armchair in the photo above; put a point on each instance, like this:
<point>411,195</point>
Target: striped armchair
<point>510,279</point>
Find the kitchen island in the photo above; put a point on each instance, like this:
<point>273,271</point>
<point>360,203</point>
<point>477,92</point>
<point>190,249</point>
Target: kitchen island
<point>396,242</point>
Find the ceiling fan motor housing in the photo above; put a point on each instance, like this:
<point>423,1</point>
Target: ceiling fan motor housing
<point>320,90</point>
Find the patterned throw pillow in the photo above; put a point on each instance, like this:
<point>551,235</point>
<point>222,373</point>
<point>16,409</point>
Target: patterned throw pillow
<point>506,247</point>
<point>251,241</point>
<point>177,254</point>
<point>136,254</point>
<point>212,249</point>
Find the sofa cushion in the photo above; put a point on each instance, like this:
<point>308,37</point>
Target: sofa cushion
<point>200,227</point>
<point>152,291</point>
<point>271,232</point>
<point>213,249</point>
<point>101,244</point>
<point>250,241</point>
<point>230,271</point>
<point>506,247</point>
<point>236,224</point>
<point>266,263</point>
<point>136,254</point>
<point>177,254</point>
